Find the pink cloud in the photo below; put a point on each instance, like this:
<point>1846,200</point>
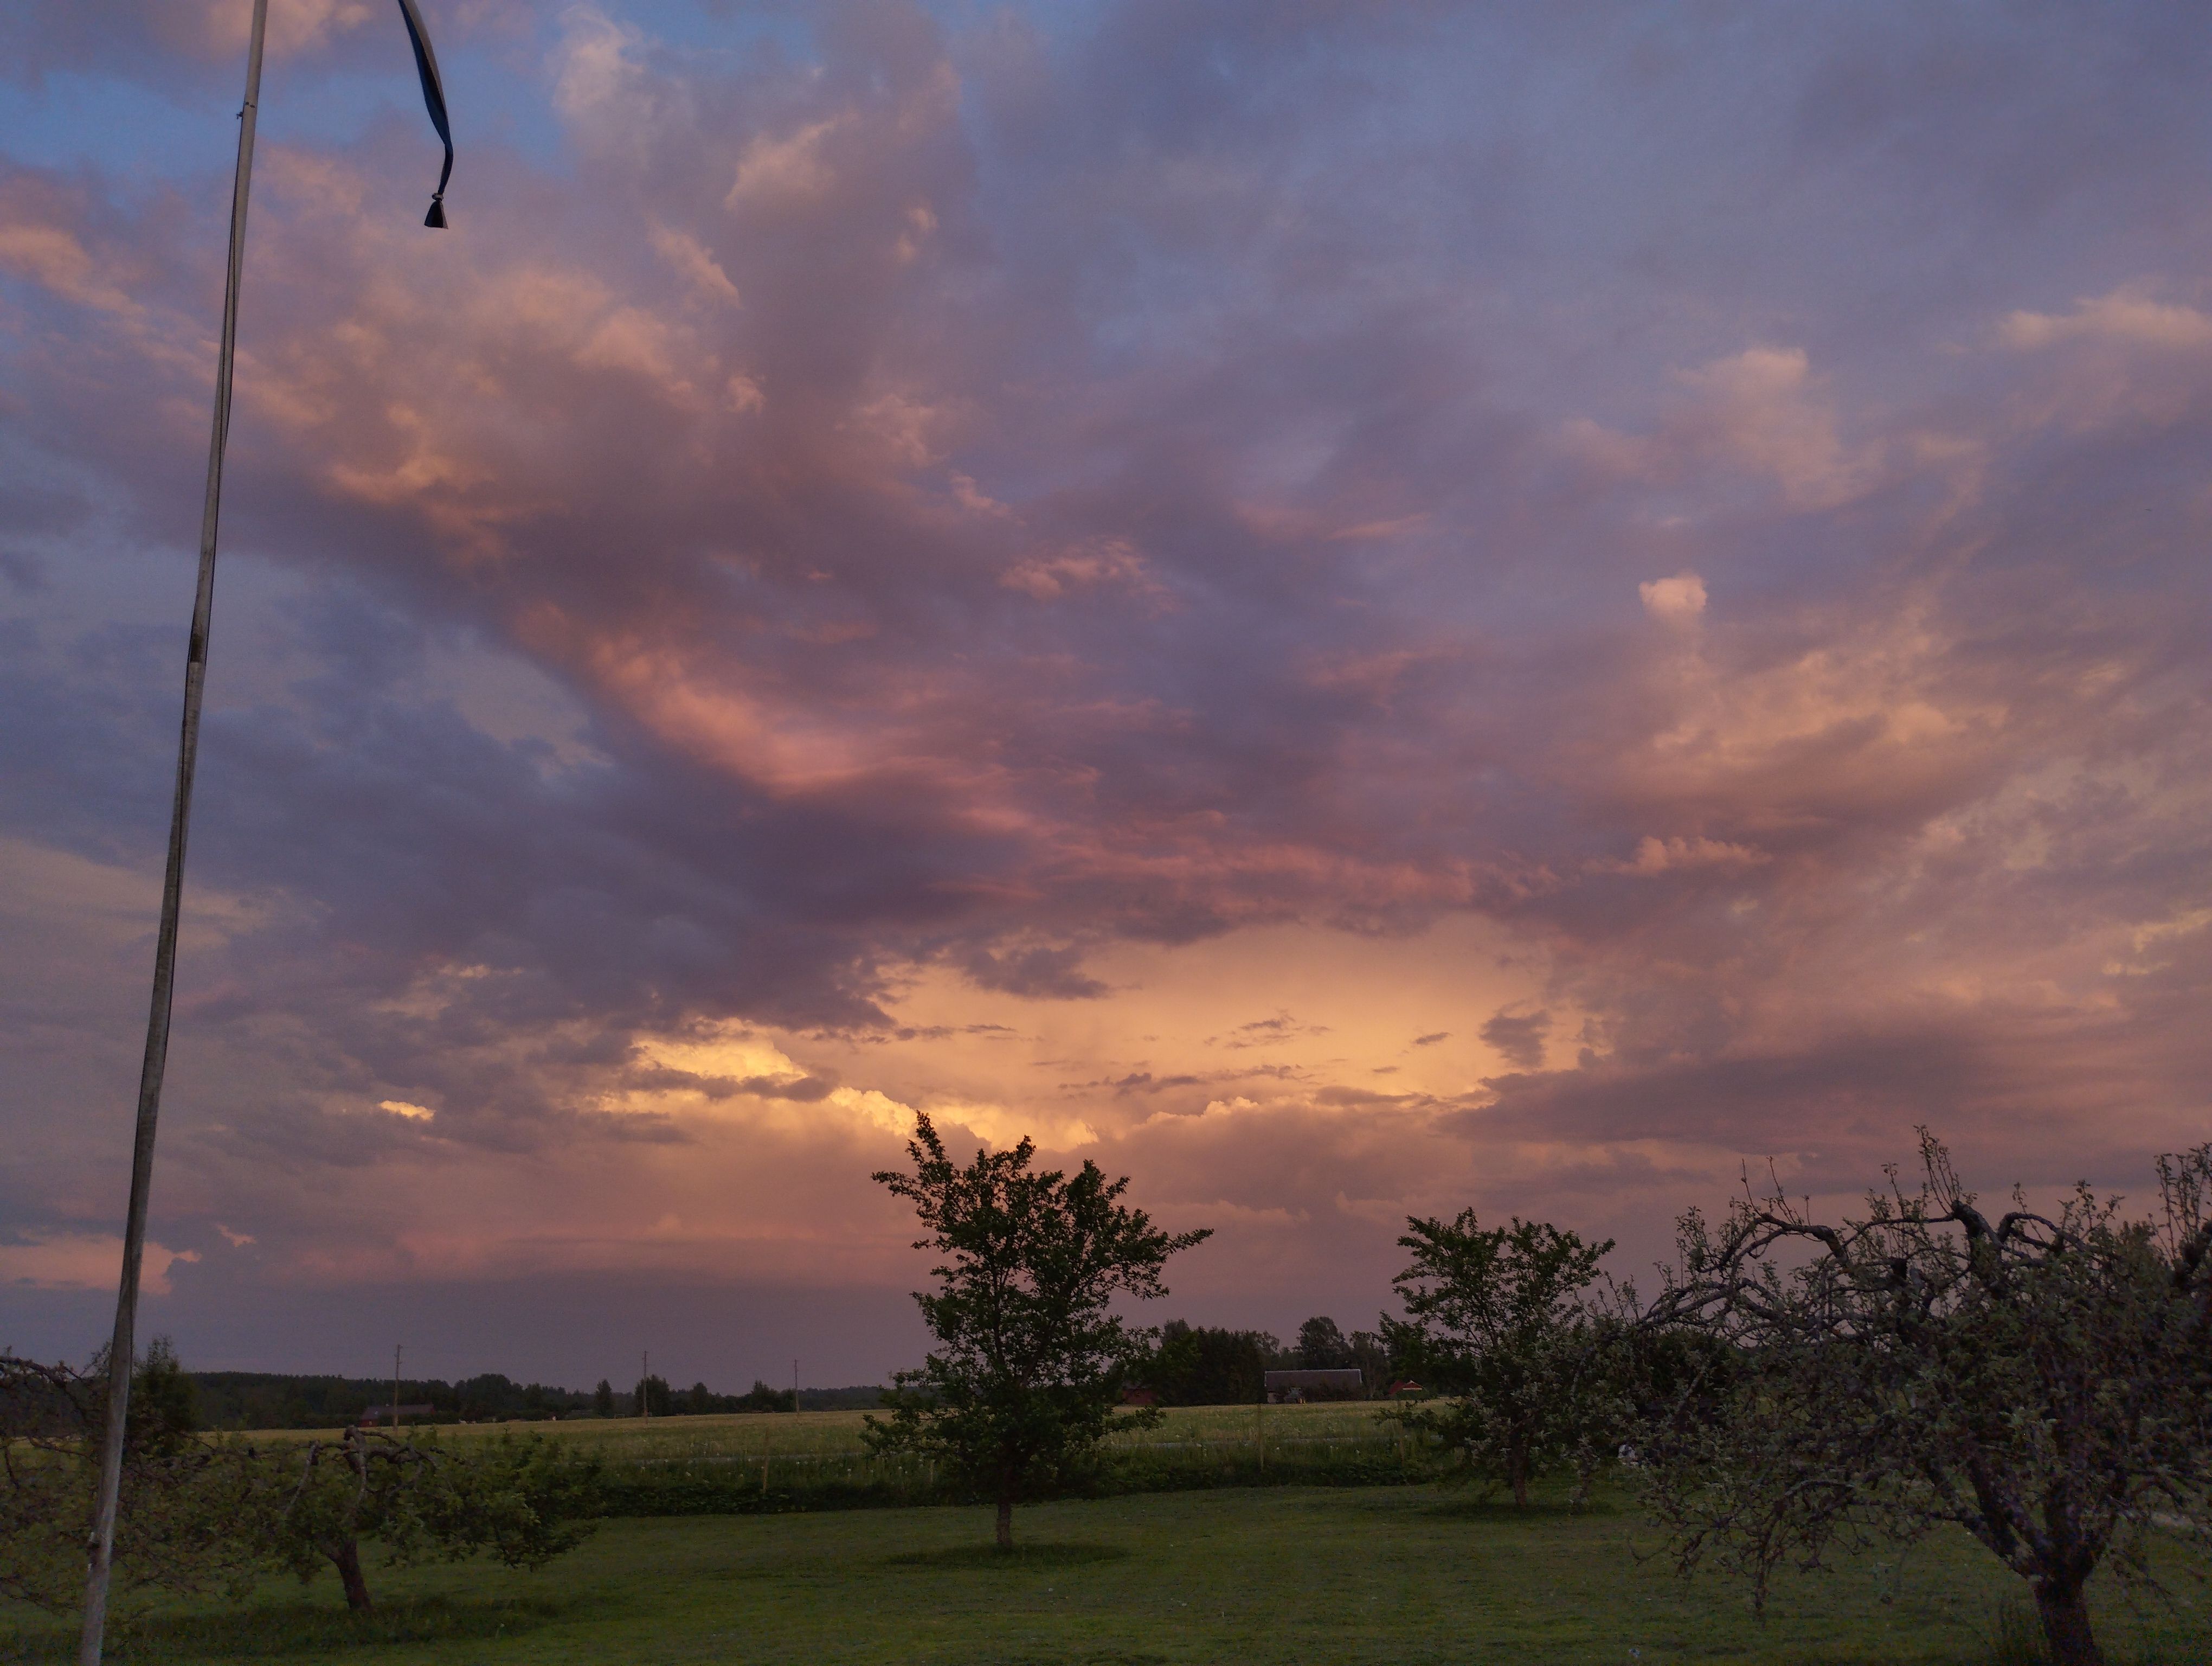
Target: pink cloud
<point>943,521</point>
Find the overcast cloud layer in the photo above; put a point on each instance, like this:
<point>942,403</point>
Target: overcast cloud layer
<point>1350,609</point>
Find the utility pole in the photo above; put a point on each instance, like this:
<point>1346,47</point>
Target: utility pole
<point>645,1383</point>
<point>794,1388</point>
<point>395,1385</point>
<point>121,1345</point>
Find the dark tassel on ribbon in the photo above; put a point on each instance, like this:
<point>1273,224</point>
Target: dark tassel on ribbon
<point>434,99</point>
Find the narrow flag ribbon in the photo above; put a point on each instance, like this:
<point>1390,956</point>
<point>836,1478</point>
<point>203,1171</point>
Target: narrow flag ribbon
<point>434,96</point>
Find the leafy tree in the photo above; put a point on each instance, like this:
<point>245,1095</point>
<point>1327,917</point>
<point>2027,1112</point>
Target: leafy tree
<point>1498,1319</point>
<point>496,1395</point>
<point>202,1515</point>
<point>1372,1355</point>
<point>651,1396</point>
<point>2045,1383</point>
<point>1321,1346</point>
<point>1021,1388</point>
<point>517,1499</point>
<point>165,1403</point>
<point>52,1422</point>
<point>603,1399</point>
<point>1206,1366</point>
<point>46,1485</point>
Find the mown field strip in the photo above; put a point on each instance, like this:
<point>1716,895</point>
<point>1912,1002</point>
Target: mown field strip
<point>1287,1445</point>
<point>750,1437</point>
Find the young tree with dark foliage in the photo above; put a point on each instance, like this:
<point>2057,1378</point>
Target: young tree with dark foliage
<point>1497,1320</point>
<point>1022,1386</point>
<point>519,1500</point>
<point>202,1515</point>
<point>165,1403</point>
<point>167,1539</point>
<point>2044,1383</point>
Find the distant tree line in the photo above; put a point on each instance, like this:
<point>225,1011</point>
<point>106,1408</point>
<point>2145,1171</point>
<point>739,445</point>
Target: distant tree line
<point>1209,1365</point>
<point>266,1400</point>
<point>1191,1365</point>
<point>652,1398</point>
<point>241,1400</point>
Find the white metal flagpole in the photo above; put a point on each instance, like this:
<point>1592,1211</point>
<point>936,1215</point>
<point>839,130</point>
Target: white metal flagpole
<point>120,1349</point>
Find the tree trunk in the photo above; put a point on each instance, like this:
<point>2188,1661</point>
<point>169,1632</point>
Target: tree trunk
<point>1516,1475</point>
<point>348,1558</point>
<point>1006,1521</point>
<point>2065,1612</point>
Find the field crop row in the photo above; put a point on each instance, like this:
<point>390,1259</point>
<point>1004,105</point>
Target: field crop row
<point>751,1437</point>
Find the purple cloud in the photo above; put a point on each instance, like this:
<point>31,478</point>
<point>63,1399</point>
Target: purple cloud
<point>859,552</point>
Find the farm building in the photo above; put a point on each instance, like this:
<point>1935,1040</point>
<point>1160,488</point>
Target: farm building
<point>1293,1386</point>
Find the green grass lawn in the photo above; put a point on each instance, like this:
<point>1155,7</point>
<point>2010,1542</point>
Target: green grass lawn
<point>1402,1575</point>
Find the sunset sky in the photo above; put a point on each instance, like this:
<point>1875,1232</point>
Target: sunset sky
<point>1352,609</point>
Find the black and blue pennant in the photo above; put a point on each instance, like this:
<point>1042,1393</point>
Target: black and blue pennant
<point>434,96</point>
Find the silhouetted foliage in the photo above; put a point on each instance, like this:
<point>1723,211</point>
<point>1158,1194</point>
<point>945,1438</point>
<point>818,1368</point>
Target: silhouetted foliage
<point>1372,1355</point>
<point>200,1514</point>
<point>762,1398</point>
<point>1501,1321</point>
<point>1021,1388</point>
<point>2044,1383</point>
<point>165,1401</point>
<point>52,1419</point>
<point>1196,1365</point>
<point>257,1400</point>
<point>1321,1346</point>
<point>521,1500</point>
<point>269,1399</point>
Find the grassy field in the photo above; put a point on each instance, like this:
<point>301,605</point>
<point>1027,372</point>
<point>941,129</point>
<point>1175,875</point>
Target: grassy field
<point>750,1437</point>
<point>817,1460</point>
<point>1403,1575</point>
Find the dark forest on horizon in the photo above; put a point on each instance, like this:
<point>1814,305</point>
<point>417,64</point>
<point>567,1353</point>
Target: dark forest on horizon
<point>276,1399</point>
<point>1191,1365</point>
